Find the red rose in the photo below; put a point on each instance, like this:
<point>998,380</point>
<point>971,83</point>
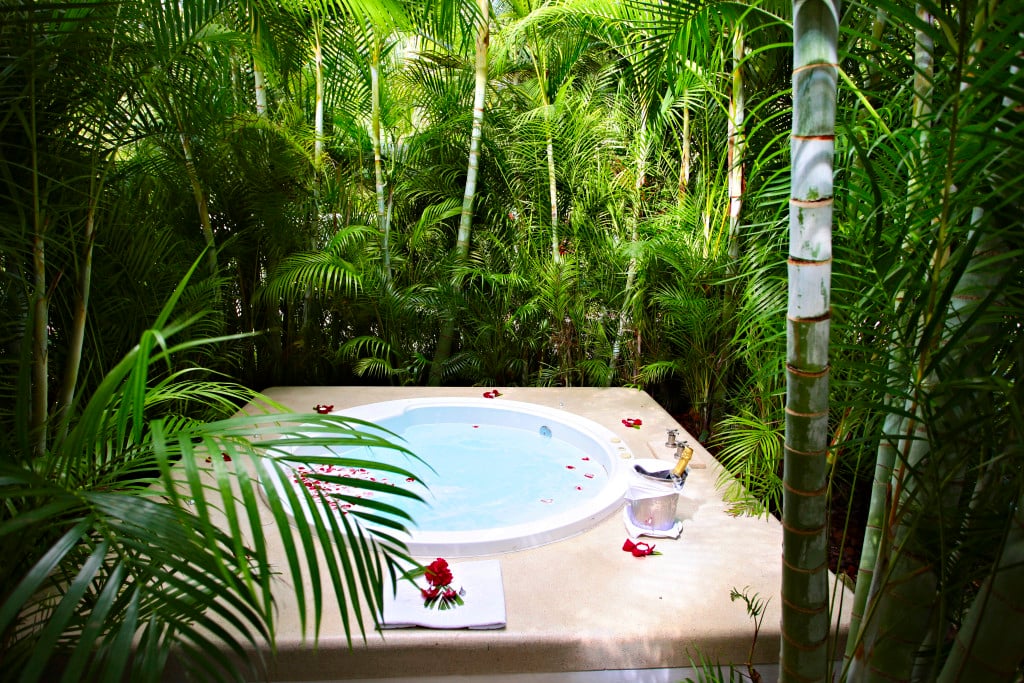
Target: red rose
<point>640,549</point>
<point>438,573</point>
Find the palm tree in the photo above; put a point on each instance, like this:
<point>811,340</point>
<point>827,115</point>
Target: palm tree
<point>110,559</point>
<point>550,61</point>
<point>934,296</point>
<point>112,556</point>
<point>805,617</point>
<point>925,487</point>
<point>481,15</point>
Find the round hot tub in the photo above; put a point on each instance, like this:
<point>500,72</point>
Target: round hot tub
<point>494,475</point>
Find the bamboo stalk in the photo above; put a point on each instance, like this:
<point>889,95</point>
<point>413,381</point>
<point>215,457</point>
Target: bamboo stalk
<point>735,146</point>
<point>40,300</point>
<point>318,107</point>
<point>805,599</point>
<point>988,648</point>
<point>199,194</point>
<point>461,251</point>
<point>383,222</point>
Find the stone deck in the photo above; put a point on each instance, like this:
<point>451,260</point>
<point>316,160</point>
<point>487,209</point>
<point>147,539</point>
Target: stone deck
<point>579,604</point>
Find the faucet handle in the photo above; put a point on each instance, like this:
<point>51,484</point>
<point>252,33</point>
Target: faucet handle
<point>670,435</point>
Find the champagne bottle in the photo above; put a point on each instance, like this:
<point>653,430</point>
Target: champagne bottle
<point>679,470</point>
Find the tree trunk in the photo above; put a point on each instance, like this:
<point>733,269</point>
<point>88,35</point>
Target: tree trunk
<point>685,155</point>
<point>260,88</point>
<point>921,106</point>
<point>40,341</point>
<point>625,318</point>
<point>540,69</point>
<point>735,153</point>
<point>318,114</point>
<point>990,644</point>
<point>259,81</point>
<point>383,214</point>
<point>76,337</point>
<point>461,252</point>
<point>878,515</point>
<point>805,598</point>
<point>556,253</point>
<point>201,204</point>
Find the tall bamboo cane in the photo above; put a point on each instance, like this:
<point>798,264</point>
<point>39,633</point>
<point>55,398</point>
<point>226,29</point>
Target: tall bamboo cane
<point>872,555</point>
<point>380,185</point>
<point>735,145</point>
<point>483,39</point>
<point>805,617</point>
<point>988,647</point>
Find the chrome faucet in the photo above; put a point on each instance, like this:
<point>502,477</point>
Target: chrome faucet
<point>670,435</point>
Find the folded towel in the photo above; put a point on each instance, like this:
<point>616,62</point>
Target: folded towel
<point>484,598</point>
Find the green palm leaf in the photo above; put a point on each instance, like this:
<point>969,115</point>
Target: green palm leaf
<point>122,533</point>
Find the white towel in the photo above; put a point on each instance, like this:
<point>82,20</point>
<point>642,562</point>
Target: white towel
<point>484,606</point>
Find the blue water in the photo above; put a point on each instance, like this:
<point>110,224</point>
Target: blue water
<point>487,476</point>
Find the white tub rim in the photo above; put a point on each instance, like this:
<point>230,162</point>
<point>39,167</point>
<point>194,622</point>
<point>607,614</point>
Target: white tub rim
<point>614,452</point>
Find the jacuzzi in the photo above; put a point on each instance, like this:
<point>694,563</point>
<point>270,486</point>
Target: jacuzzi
<point>497,475</point>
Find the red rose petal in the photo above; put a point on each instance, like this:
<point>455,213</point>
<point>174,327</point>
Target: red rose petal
<point>589,475</point>
<point>570,467</point>
<point>584,458</point>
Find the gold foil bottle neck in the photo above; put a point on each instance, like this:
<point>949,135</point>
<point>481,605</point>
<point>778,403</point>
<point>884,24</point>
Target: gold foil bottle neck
<point>682,462</point>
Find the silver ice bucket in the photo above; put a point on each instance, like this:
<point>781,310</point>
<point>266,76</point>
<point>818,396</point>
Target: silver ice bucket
<point>651,509</point>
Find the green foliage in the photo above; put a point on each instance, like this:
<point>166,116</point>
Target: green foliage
<point>751,451</point>
<point>131,141</point>
<point>122,548</point>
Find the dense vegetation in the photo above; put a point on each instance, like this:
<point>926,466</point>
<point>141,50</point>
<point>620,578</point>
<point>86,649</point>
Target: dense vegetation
<point>568,193</point>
